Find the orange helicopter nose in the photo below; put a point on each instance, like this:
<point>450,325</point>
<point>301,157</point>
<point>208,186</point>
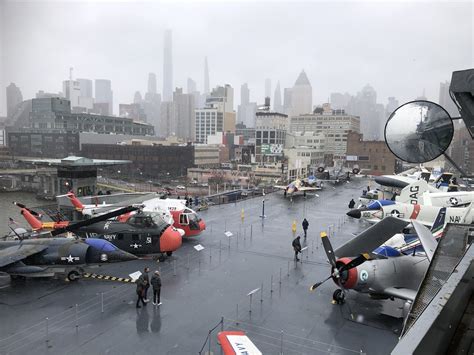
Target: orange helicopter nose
<point>202,225</point>
<point>170,240</point>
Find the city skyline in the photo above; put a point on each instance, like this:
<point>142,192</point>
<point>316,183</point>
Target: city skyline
<point>393,74</point>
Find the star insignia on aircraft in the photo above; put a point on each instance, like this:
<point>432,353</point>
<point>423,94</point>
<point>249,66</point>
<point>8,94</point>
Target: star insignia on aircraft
<point>395,213</point>
<point>453,201</point>
<point>135,246</point>
<point>70,258</point>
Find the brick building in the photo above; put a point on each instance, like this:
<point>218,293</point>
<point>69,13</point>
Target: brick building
<point>373,157</point>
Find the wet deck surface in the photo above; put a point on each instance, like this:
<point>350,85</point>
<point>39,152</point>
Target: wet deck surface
<point>199,288</point>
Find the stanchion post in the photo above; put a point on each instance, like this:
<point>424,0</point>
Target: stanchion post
<point>288,269</point>
<point>237,314</point>
<point>47,331</point>
<point>77,320</point>
<point>102,302</point>
<point>281,343</point>
<point>174,267</point>
<point>251,230</point>
<point>271,284</point>
<point>209,342</point>
<point>250,303</point>
<point>280,276</point>
<point>261,293</point>
<point>222,323</point>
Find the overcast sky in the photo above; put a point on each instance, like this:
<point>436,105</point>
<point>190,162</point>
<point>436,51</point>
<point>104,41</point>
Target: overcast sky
<point>400,48</point>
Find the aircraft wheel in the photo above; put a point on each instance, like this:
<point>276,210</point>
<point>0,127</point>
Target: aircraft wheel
<point>338,296</point>
<point>169,253</point>
<point>73,275</point>
<point>161,258</point>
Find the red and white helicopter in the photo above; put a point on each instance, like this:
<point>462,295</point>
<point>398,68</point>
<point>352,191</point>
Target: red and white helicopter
<point>173,211</point>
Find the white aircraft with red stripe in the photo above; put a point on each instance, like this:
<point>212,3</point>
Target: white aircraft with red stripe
<point>425,214</point>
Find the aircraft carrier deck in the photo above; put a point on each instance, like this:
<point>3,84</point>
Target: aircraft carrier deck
<point>208,288</point>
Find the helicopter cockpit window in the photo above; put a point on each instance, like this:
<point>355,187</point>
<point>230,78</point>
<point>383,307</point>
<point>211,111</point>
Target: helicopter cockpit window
<point>183,219</point>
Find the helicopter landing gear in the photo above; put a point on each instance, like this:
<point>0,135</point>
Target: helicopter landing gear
<point>338,297</point>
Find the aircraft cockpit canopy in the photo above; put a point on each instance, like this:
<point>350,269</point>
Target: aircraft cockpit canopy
<point>148,220</point>
<point>377,204</point>
<point>100,244</point>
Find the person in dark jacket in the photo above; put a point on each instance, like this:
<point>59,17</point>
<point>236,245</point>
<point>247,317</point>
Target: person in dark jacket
<point>351,204</point>
<point>144,277</point>
<point>156,283</point>
<point>141,284</point>
<point>296,247</point>
<point>305,226</point>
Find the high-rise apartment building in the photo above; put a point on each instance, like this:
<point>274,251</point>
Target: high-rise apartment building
<point>287,94</point>
<point>218,114</point>
<point>166,124</point>
<point>277,106</point>
<point>334,124</point>
<point>184,114</point>
<point>14,98</point>
<point>168,67</point>
<point>104,93</point>
<point>152,83</point>
<point>85,86</point>
<point>446,101</point>
<point>270,135</point>
<point>246,110</point>
<point>302,96</point>
<point>206,77</point>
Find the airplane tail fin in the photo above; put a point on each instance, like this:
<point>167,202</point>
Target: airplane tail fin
<point>32,220</point>
<point>75,201</point>
<point>439,222</point>
<point>413,193</point>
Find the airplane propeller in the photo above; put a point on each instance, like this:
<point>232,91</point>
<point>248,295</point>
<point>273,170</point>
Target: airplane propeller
<point>332,260</point>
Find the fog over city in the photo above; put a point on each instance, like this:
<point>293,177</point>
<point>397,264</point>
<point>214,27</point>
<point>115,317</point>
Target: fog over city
<point>400,48</point>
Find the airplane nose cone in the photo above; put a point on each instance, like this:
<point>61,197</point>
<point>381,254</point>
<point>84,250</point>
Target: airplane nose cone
<point>170,240</point>
<point>354,213</point>
<point>118,255</point>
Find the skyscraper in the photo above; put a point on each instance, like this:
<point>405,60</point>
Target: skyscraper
<point>152,83</point>
<point>277,106</point>
<point>302,96</point>
<point>268,87</point>
<point>14,97</point>
<point>206,77</point>
<point>72,92</point>
<point>445,99</point>
<point>85,86</point>
<point>137,98</point>
<point>183,111</point>
<point>168,67</point>
<point>246,110</point>
<point>191,86</point>
<point>287,93</point>
<point>244,94</point>
<point>104,93</point>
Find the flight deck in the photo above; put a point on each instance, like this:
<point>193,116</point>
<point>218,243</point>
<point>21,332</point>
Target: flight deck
<point>243,280</point>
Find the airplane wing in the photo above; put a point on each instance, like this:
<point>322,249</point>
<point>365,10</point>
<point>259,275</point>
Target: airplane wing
<point>280,187</point>
<point>19,252</point>
<point>304,188</point>
<point>372,237</point>
<point>426,239</point>
<point>402,293</point>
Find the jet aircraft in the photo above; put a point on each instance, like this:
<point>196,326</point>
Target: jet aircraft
<point>53,257</point>
<point>301,185</point>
